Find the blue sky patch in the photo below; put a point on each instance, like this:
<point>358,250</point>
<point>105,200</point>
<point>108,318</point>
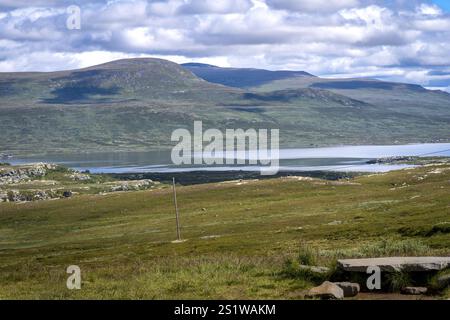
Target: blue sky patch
<point>444,4</point>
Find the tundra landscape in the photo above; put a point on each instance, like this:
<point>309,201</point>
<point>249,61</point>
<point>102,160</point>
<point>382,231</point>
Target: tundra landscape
<point>244,239</point>
<point>136,139</point>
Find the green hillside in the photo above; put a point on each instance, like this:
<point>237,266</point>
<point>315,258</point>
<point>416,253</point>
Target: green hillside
<point>407,99</point>
<point>120,81</point>
<point>393,97</point>
<point>135,104</point>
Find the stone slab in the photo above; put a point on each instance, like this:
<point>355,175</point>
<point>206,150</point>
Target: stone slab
<point>396,264</point>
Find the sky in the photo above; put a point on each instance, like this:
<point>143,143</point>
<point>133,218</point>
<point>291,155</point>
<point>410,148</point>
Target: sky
<point>393,40</point>
<point>444,4</point>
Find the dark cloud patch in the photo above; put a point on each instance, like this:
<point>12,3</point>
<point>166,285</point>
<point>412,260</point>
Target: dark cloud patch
<point>439,73</point>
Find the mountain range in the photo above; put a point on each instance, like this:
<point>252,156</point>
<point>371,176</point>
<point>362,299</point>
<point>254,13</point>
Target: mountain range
<point>135,104</point>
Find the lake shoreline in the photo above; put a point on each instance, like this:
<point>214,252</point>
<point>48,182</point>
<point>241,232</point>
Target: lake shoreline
<point>203,177</point>
<point>369,159</point>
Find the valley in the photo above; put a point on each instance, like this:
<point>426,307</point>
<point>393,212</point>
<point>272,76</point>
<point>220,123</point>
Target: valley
<point>135,104</point>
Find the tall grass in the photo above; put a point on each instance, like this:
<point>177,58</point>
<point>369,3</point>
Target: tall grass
<point>382,248</point>
<point>307,255</point>
<point>398,280</point>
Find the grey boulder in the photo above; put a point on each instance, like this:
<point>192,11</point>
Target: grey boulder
<point>396,264</point>
<point>350,289</point>
<point>326,291</point>
<point>414,290</point>
<point>315,269</point>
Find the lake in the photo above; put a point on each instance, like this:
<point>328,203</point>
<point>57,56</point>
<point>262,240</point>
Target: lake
<point>338,159</point>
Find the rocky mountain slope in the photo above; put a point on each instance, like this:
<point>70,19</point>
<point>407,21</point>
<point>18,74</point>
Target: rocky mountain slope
<point>43,181</point>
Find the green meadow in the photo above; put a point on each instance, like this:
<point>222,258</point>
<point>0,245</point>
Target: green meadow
<point>243,239</point>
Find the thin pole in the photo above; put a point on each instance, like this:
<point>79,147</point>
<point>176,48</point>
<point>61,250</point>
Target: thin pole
<point>176,209</point>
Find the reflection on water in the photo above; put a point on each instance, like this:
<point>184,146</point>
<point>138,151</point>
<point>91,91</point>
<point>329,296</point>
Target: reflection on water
<point>345,159</point>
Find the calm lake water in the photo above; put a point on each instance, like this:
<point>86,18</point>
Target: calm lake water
<point>339,159</point>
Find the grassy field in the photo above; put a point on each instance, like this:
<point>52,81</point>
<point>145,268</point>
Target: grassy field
<point>243,239</point>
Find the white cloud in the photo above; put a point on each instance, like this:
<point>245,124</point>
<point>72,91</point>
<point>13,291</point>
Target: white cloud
<point>26,3</point>
<point>371,15</point>
<point>312,5</point>
<point>445,89</point>
<point>433,25</point>
<point>123,12</point>
<point>402,41</point>
<point>429,10</point>
<point>49,61</point>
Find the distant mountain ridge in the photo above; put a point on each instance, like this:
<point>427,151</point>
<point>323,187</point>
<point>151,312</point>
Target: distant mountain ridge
<point>411,99</point>
<point>252,78</point>
<point>240,77</point>
<point>135,104</point>
<point>121,79</point>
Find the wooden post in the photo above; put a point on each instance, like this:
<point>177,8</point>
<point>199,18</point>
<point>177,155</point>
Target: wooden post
<point>176,209</point>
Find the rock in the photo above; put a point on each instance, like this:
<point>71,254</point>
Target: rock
<point>16,196</point>
<point>334,223</point>
<point>77,176</point>
<point>24,173</point>
<point>350,289</point>
<point>3,196</point>
<point>40,195</point>
<point>414,290</point>
<point>326,291</point>
<point>132,185</point>
<point>67,194</point>
<point>396,264</point>
<point>315,269</point>
<point>30,195</point>
<point>13,196</point>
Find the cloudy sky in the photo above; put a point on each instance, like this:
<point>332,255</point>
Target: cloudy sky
<point>398,40</point>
